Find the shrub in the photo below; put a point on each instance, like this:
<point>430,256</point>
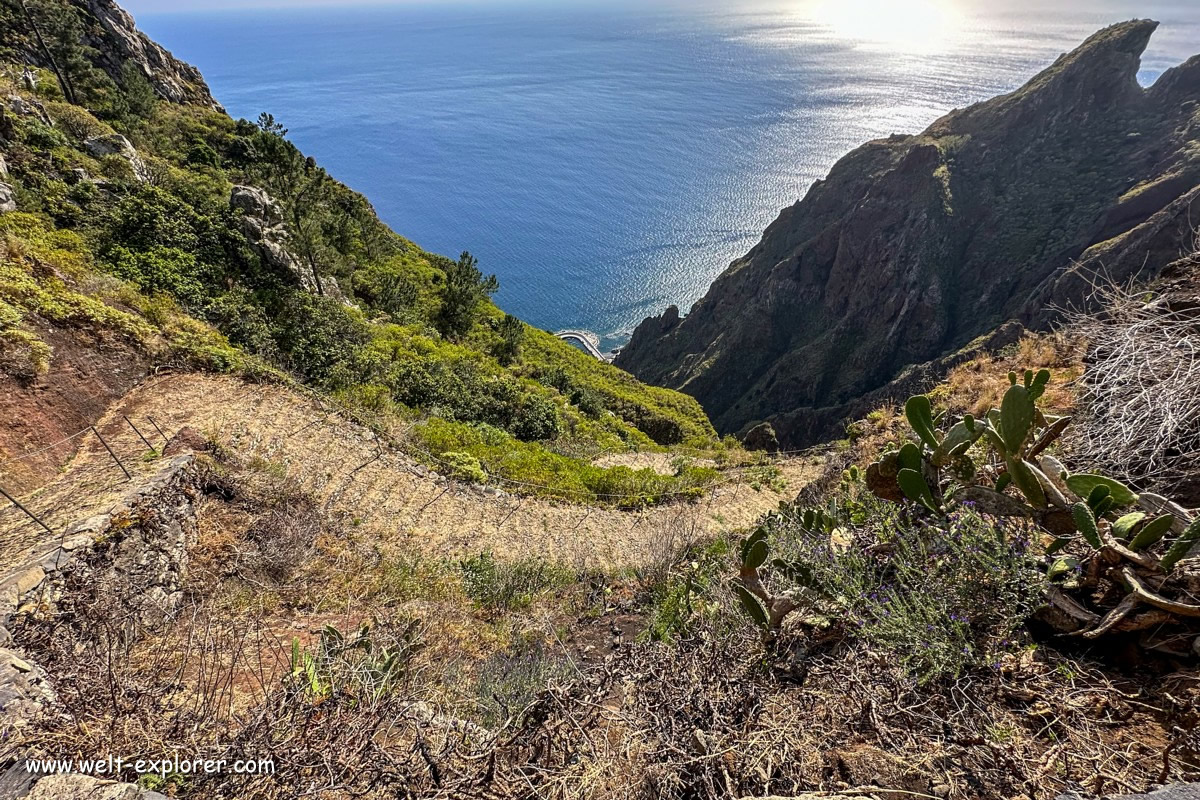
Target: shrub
<point>321,340</point>
<point>537,419</point>
<point>510,681</point>
<point>244,322</point>
<point>466,288</point>
<point>681,582</point>
<point>75,121</point>
<point>366,666</point>
<point>464,467</point>
<point>161,269</point>
<point>938,596</point>
<point>503,586</point>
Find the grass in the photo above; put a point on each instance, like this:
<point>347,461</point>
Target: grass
<point>503,586</point>
<point>531,468</point>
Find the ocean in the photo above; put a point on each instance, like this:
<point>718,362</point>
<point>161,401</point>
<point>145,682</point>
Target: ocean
<point>608,160</point>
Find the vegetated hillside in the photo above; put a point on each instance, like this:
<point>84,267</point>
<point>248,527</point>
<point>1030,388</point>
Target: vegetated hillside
<point>140,225</point>
<point>940,632</point>
<point>915,245</point>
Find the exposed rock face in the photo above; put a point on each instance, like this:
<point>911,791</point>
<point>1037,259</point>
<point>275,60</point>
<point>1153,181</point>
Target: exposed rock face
<point>8,197</point>
<point>761,437</point>
<point>114,144</point>
<point>261,220</point>
<point>135,555</point>
<point>915,245</point>
<point>118,41</point>
<point>262,223</point>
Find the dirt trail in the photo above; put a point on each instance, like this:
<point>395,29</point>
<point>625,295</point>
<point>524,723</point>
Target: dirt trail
<point>386,496</point>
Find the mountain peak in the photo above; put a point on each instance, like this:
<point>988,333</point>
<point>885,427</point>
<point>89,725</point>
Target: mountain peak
<point>915,245</point>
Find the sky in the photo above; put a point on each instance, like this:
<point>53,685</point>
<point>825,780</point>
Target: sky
<point>136,7</point>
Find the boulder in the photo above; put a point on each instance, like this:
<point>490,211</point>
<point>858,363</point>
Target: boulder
<point>257,205</point>
<point>761,437</point>
<point>84,787</point>
<point>114,144</point>
<point>188,439</point>
<point>3,168</point>
<point>8,198</point>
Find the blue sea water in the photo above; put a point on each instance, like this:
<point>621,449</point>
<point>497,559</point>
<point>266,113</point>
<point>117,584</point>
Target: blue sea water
<point>608,160</point>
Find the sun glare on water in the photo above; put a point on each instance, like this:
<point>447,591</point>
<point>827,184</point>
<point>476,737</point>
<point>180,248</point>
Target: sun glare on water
<point>911,25</point>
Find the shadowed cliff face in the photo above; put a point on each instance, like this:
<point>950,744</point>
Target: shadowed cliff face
<point>915,245</point>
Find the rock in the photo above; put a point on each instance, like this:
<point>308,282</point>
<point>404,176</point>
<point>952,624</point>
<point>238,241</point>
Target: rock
<point>915,246</point>
<point>84,787</point>
<point>29,108</point>
<point>761,437</point>
<point>29,80</point>
<point>78,175</point>
<point>117,42</point>
<point>261,221</point>
<point>24,689</point>
<point>8,198</point>
<point>3,168</point>
<point>187,439</point>
<point>29,580</point>
<point>257,204</point>
<point>114,144</point>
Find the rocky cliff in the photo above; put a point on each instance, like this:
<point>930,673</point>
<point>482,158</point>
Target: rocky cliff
<point>112,41</point>
<point>119,41</point>
<point>915,245</point>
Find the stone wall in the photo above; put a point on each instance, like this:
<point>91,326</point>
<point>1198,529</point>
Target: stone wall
<point>137,551</point>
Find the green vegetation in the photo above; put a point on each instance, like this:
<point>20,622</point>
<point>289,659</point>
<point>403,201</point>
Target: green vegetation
<point>939,552</point>
<point>149,248</point>
<point>497,586</point>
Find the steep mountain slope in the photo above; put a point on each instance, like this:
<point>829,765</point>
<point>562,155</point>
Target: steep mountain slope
<point>141,226</point>
<point>914,245</point>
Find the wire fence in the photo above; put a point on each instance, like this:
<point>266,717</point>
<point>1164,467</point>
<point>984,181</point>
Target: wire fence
<point>125,440</point>
<point>122,431</point>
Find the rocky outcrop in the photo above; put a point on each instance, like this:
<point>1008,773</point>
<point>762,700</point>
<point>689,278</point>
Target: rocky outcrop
<point>118,41</point>
<point>8,197</point>
<point>135,554</point>
<point>24,107</point>
<point>83,787</point>
<point>261,220</point>
<point>913,246</point>
<point>761,437</point>
<point>114,144</point>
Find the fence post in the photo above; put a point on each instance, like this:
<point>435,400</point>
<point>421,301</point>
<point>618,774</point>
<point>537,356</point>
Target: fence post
<point>111,453</point>
<point>139,433</point>
<point>160,433</point>
<point>32,516</point>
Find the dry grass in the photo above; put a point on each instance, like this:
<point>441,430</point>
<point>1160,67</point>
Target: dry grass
<point>385,497</point>
<point>1141,391</point>
<point>980,384</point>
